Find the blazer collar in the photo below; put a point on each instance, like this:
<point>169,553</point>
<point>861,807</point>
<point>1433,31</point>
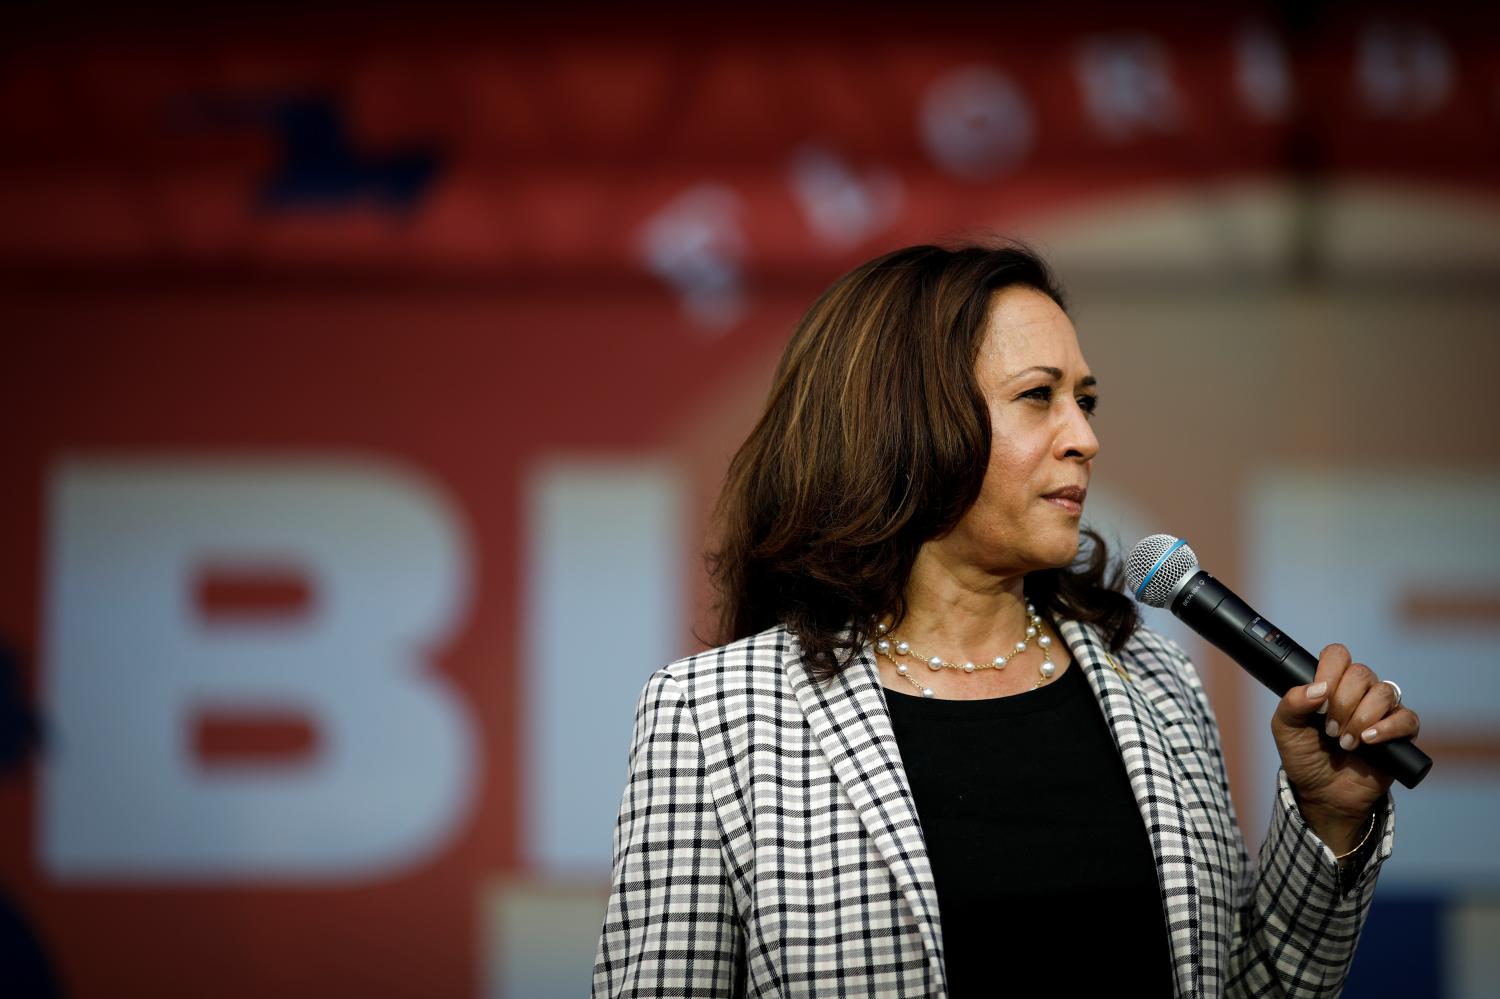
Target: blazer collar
<point>851,722</point>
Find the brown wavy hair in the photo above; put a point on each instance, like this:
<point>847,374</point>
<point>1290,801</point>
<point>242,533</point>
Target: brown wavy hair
<point>875,439</point>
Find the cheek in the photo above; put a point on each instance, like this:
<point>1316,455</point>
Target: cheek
<point>1002,497</point>
<point>1010,470</point>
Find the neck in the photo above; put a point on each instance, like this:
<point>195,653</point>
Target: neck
<point>955,609</point>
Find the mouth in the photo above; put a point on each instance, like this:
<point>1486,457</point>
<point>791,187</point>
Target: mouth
<point>1069,498</point>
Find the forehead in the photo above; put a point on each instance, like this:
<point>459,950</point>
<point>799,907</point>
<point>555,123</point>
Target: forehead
<point>1025,328</point>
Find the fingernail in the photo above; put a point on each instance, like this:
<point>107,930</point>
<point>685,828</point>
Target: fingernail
<point>1368,734</point>
<point>1317,690</point>
<point>1323,708</point>
<point>1348,741</point>
<point>1332,728</point>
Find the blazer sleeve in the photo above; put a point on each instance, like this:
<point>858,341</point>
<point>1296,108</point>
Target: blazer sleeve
<point>671,928</point>
<point>1295,929</point>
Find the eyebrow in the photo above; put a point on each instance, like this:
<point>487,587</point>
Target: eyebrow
<point>1089,381</point>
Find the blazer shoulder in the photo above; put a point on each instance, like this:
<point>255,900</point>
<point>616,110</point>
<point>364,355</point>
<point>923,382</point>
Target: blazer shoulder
<point>737,696</point>
<point>1145,652</point>
<point>739,666</point>
<point>1152,649</point>
<point>1166,666</point>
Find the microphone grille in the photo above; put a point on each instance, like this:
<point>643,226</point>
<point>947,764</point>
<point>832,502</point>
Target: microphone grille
<point>1156,565</point>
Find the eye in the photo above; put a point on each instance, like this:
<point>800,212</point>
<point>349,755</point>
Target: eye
<point>1089,404</point>
<point>1042,393</point>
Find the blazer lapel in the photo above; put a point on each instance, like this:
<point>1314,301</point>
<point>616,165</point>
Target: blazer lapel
<point>1156,779</point>
<point>851,723</point>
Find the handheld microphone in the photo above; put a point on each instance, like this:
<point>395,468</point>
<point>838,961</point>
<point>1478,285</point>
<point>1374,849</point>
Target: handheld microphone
<point>1163,572</point>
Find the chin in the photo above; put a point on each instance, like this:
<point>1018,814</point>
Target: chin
<point>1059,553</point>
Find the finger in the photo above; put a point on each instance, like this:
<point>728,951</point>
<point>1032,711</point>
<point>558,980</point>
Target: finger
<point>1313,698</point>
<point>1378,701</point>
<point>1402,723</point>
<point>1345,696</point>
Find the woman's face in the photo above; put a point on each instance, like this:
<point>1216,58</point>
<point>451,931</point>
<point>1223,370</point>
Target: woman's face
<point>1041,397</point>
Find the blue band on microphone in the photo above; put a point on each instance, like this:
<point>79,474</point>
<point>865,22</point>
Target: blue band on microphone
<point>1142,588</point>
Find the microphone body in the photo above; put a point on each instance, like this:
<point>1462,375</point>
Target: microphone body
<point>1213,610</point>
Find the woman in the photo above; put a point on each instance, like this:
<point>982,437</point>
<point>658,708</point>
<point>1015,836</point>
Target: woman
<point>937,755</point>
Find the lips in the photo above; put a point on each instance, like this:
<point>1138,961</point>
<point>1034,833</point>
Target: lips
<point>1069,498</point>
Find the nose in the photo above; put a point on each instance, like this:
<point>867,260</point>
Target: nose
<point>1076,439</point>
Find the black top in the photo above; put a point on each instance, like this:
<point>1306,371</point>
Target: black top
<point>1045,879</point>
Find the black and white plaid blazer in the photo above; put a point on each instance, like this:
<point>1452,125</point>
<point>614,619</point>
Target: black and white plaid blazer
<point>768,844</point>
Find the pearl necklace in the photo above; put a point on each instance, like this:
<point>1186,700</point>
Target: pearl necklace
<point>890,646</point>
